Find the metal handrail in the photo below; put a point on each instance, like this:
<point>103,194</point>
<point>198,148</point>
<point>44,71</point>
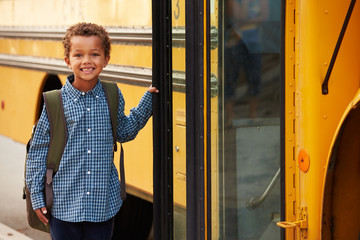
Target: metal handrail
<point>254,202</point>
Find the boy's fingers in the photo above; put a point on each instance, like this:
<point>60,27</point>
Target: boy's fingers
<point>153,89</point>
<point>41,215</point>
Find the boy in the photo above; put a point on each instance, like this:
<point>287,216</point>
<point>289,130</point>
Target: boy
<point>86,187</point>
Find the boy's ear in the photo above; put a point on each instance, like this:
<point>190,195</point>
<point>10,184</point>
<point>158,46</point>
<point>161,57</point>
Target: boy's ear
<point>67,61</point>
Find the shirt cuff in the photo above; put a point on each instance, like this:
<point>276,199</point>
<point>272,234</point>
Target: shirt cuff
<point>37,200</point>
<point>146,104</point>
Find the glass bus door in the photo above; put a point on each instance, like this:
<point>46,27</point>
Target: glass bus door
<point>217,155</point>
<point>246,199</point>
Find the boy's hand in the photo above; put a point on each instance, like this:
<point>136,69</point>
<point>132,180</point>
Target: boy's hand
<point>152,89</point>
<point>41,215</point>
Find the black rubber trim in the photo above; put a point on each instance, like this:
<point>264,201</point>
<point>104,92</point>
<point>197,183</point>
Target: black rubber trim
<point>195,221</point>
<point>162,121</point>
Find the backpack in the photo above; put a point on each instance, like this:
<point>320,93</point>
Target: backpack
<point>55,111</point>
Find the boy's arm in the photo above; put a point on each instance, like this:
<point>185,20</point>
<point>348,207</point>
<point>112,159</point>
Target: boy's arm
<point>36,161</point>
<point>129,126</point>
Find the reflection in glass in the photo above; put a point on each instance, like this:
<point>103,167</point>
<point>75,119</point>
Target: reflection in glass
<point>243,52</point>
<point>248,120</point>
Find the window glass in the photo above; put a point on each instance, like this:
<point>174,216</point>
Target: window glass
<point>245,119</point>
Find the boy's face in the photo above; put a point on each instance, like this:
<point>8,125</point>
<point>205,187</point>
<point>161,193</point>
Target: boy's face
<point>86,58</point>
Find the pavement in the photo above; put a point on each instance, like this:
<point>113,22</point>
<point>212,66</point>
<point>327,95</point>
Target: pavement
<point>13,222</point>
<point>7,233</point>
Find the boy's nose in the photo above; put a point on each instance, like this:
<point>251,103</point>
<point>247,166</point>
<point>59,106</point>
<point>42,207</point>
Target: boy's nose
<point>86,58</point>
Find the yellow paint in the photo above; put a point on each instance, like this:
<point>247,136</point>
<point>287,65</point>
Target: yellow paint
<point>139,151</point>
<point>120,54</point>
<point>20,93</point>
<point>64,13</point>
<point>179,59</point>
<point>290,166</point>
<point>214,131</point>
<point>179,148</point>
<point>140,56</point>
<point>179,162</point>
<point>38,48</point>
<point>178,13</point>
<point>118,12</point>
<point>310,42</point>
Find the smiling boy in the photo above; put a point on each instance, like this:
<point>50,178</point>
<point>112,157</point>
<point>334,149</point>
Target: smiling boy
<point>86,59</point>
<point>86,186</point>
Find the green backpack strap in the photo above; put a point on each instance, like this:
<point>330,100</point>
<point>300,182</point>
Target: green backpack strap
<point>112,97</point>
<point>58,137</point>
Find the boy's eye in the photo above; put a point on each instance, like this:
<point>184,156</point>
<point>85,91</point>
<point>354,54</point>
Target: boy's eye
<point>78,55</point>
<point>95,54</point>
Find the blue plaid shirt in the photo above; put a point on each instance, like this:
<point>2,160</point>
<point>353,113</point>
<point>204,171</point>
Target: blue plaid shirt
<point>86,186</point>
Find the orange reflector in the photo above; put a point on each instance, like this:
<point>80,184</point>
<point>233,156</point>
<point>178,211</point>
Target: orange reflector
<point>304,160</point>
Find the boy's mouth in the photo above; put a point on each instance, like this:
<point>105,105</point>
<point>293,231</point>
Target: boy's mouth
<point>87,69</point>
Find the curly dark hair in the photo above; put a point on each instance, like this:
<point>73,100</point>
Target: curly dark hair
<point>86,29</point>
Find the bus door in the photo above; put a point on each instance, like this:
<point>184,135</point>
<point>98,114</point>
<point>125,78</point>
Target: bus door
<point>178,150</point>
<point>217,119</point>
<point>246,136</point>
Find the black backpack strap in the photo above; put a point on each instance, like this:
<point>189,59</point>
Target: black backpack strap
<point>58,137</point>
<point>112,97</point>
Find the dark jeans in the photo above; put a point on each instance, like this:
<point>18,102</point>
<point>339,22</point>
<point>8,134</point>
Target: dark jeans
<point>61,230</point>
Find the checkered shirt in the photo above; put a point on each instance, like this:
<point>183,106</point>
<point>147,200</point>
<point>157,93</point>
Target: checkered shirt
<point>86,186</point>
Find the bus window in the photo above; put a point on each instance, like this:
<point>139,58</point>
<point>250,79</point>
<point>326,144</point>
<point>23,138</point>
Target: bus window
<point>246,137</point>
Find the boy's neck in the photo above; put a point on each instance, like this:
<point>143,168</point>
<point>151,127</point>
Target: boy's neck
<point>84,86</point>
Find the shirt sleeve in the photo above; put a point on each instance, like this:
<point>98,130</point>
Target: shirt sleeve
<point>129,126</point>
<point>36,161</point>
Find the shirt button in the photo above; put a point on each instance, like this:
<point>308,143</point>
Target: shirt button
<point>89,151</point>
<point>88,109</point>
<point>88,193</point>
<point>83,93</point>
<point>89,130</point>
<point>88,172</point>
<point>75,100</point>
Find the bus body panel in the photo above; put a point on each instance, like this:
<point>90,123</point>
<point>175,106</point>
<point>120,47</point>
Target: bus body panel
<point>316,116</point>
<point>63,13</point>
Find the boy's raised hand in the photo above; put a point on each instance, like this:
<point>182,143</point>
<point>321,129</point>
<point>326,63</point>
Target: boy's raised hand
<point>153,89</point>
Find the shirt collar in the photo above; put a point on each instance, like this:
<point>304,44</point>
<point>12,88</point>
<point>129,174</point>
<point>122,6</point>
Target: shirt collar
<point>76,94</point>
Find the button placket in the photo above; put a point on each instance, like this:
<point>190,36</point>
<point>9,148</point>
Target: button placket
<point>88,130</point>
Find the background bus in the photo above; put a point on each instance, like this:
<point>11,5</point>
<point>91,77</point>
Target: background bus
<point>31,61</point>
<point>244,136</point>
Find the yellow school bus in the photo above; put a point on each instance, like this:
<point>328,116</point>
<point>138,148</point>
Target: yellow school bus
<point>255,130</point>
<point>32,62</point>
